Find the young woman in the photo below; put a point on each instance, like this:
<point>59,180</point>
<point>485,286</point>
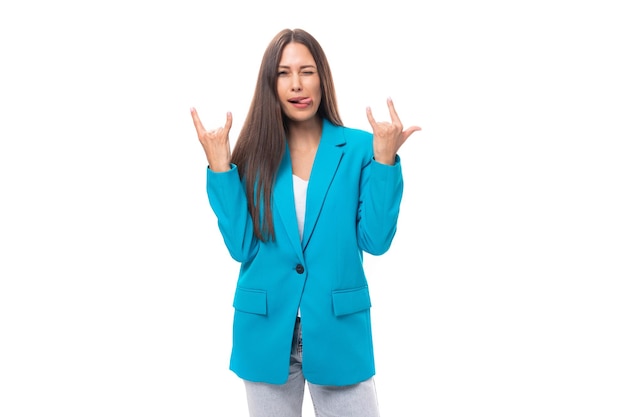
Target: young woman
<point>298,202</point>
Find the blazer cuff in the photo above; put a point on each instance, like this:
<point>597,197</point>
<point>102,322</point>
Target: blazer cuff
<point>208,167</point>
<point>396,162</point>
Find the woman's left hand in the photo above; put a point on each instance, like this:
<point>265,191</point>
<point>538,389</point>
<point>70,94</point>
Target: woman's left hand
<point>389,136</point>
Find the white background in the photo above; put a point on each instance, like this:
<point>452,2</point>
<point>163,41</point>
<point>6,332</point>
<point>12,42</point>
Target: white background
<point>502,295</point>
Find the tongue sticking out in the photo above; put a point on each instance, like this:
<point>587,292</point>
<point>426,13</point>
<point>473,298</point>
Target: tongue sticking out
<point>301,101</point>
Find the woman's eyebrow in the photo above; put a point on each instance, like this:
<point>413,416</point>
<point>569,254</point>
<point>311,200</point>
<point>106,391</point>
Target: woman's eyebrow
<point>303,66</point>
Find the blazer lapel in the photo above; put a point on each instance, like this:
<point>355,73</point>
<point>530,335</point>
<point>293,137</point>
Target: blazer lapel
<point>327,159</point>
<point>285,203</point>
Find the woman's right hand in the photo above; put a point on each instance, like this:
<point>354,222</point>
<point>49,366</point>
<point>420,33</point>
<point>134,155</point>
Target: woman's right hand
<point>215,142</point>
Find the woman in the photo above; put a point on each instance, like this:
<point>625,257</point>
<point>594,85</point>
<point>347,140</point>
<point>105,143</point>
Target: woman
<point>298,201</point>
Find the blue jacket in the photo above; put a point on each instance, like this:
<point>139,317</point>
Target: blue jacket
<point>352,207</point>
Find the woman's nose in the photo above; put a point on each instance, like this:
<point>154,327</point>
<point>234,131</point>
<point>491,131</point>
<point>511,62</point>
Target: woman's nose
<point>295,83</point>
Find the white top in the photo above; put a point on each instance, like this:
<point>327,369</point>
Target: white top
<point>299,195</point>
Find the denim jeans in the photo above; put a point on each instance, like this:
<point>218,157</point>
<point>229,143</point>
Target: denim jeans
<point>270,400</point>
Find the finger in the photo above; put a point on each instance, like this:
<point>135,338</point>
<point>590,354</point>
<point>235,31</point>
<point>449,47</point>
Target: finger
<point>370,117</point>
<point>196,121</point>
<point>408,132</point>
<point>392,111</point>
<point>229,121</point>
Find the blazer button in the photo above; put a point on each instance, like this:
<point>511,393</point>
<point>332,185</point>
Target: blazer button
<point>299,268</point>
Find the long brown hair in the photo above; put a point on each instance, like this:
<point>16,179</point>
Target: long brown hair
<point>261,144</point>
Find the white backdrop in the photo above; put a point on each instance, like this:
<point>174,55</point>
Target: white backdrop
<point>502,295</point>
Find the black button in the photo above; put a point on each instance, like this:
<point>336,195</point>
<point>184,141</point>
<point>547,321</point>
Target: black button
<point>299,269</point>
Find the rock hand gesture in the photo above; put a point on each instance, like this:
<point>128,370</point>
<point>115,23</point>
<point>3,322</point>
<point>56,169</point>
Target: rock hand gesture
<point>215,142</point>
<point>389,136</point>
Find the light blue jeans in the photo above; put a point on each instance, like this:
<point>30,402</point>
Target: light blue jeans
<point>270,400</point>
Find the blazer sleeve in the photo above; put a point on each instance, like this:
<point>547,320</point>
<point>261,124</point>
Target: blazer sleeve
<point>229,203</point>
<point>379,206</point>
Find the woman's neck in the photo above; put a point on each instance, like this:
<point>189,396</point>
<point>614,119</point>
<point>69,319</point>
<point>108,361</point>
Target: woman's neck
<point>303,140</point>
<point>305,135</point>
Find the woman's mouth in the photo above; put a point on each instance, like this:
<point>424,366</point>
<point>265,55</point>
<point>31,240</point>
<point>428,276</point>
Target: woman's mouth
<point>300,102</point>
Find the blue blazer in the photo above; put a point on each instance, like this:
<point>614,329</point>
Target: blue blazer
<point>352,207</point>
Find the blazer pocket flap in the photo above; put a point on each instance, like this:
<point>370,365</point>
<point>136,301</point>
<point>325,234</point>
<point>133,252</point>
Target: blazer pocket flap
<point>250,301</point>
<point>351,301</point>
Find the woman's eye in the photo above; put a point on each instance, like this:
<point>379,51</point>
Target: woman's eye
<point>282,73</point>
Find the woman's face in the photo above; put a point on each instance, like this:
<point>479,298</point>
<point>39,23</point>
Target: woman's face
<point>298,83</point>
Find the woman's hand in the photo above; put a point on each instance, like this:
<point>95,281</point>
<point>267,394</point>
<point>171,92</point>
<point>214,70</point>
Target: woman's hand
<point>215,142</point>
<point>388,136</point>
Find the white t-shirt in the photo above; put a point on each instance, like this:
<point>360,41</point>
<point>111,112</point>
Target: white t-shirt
<point>299,195</point>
